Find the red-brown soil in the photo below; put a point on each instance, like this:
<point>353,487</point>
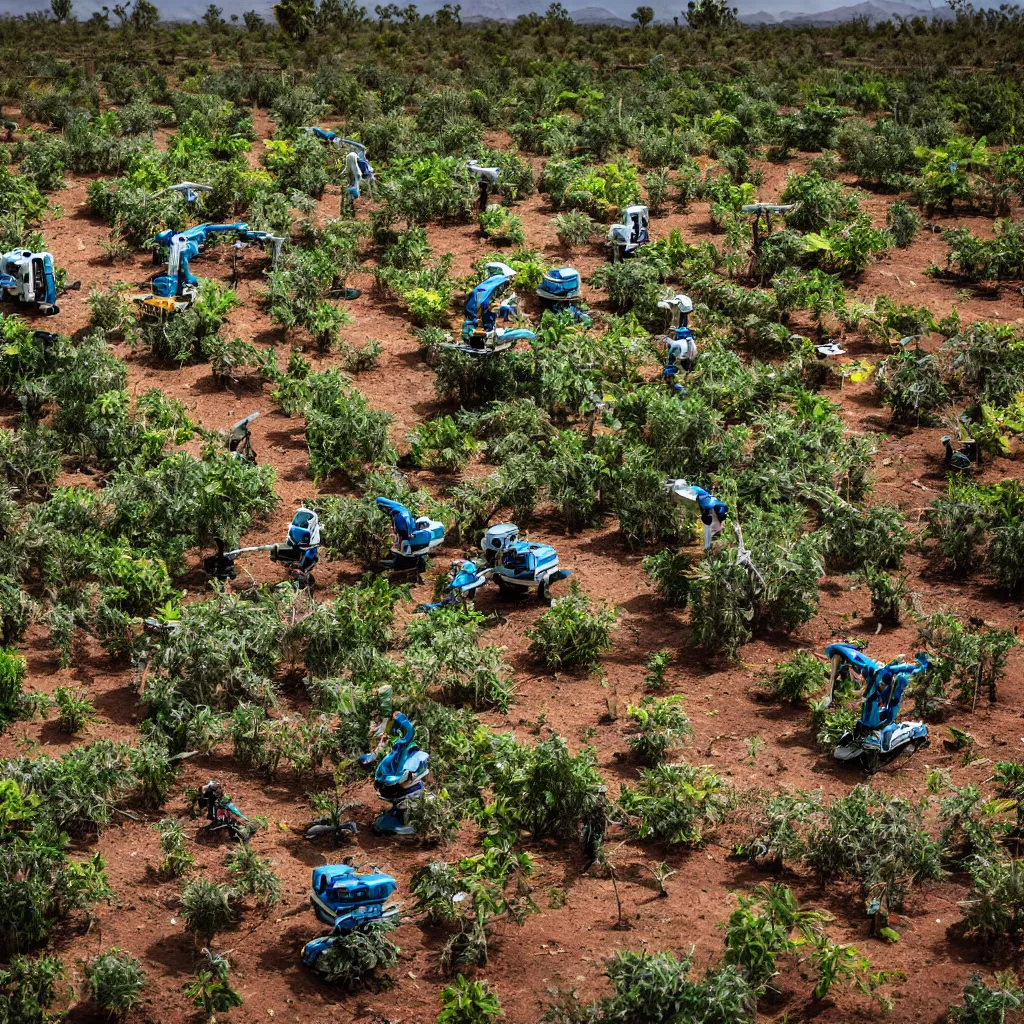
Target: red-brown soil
<point>561,947</point>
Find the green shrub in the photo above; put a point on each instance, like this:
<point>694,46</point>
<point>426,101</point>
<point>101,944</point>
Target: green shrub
<point>853,538</point>
<point>911,384</point>
<point>574,228</point>
<point>675,803</point>
<point>879,840</point>
<point>28,989</point>
<point>984,1004</point>
<point>657,725</point>
<point>224,650</point>
<point>981,259</point>
<point>570,634</point>
<point>903,223</point>
<point>497,224</point>
<point>543,790</point>
<point>354,528</point>
<point>1005,556</point>
<point>469,1002</point>
<point>12,674</point>
<point>668,571</point>
<point>75,709</point>
<point>39,885</point>
<point>80,788</point>
<point>957,523</point>
<point>888,595</point>
<point>115,980</point>
<point>821,202</point>
<point>346,434</point>
<point>441,443</point>
<point>444,652</point>
<point>994,908</point>
<point>966,661</point>
<point>652,988</point>
<point>177,860</point>
<point>207,908</point>
<point>657,663</point>
<point>949,172</point>
<point>775,840</point>
<point>360,618</point>
<point>254,876</point>
<point>355,959</point>
<point>763,928</point>
<point>796,680</point>
<point>210,991</point>
<point>572,474</point>
<point>436,818</point>
<point>637,496</point>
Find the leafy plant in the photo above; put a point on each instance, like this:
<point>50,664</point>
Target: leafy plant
<point>207,908</point>
<point>75,709</point>
<point>29,988</point>
<point>657,663</point>
<point>177,860</point>
<point>12,674</point>
<point>344,433</point>
<point>574,228</point>
<point>469,1002</point>
<point>903,223</point>
<point>888,594</point>
<point>254,876</point>
<point>658,725</point>
<point>570,634</point>
<point>985,1004</point>
<point>668,571</point>
<point>443,444</point>
<point>796,680</point>
<point>675,803</point>
<point>878,840</point>
<point>543,790</point>
<point>994,908</point>
<point>115,979</point>
<point>355,959</point>
<point>210,990</point>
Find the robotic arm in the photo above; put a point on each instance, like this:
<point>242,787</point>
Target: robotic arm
<point>712,512</point>
<point>413,538</point>
<point>878,737</point>
<point>189,190</point>
<point>485,177</point>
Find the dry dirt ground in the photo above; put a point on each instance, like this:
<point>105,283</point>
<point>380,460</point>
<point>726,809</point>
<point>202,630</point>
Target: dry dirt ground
<point>564,945</point>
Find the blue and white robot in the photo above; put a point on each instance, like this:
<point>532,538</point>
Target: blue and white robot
<point>711,511</point>
<point>399,774</point>
<point>515,565</point>
<point>878,737</point>
<point>298,554</point>
<point>560,292</point>
<point>630,233</point>
<point>489,302</point>
<point>412,538</point>
<point>347,902</point>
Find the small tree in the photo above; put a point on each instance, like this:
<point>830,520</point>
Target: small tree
<point>61,9</point>
<point>643,16</point>
<point>210,991</point>
<point>711,15</point>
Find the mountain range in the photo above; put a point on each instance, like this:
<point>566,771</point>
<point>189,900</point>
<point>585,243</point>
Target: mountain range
<point>614,12</point>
